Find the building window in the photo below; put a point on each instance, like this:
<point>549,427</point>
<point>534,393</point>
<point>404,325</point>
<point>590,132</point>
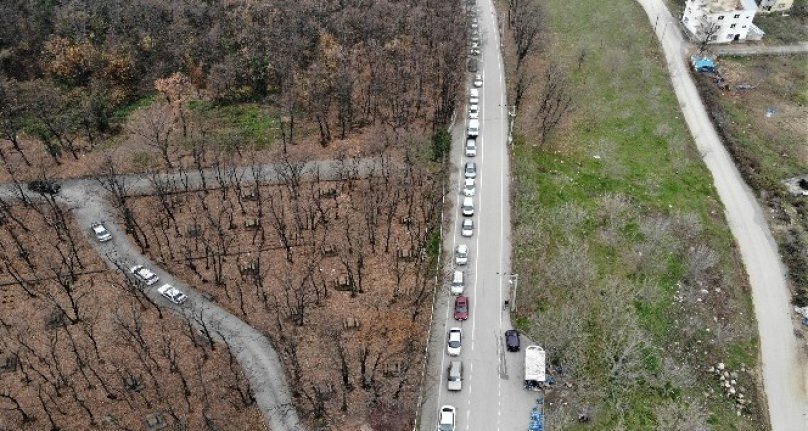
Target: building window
<point>720,16</point>
<point>737,16</point>
<point>732,26</point>
<point>730,36</point>
<point>713,37</point>
<point>743,26</point>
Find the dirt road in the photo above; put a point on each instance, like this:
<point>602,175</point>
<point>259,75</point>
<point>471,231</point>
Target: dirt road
<point>781,364</point>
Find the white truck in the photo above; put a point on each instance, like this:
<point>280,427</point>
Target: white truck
<point>534,368</point>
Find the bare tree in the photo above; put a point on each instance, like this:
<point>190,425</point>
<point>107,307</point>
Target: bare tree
<point>153,128</point>
<point>555,101</point>
<point>527,22</point>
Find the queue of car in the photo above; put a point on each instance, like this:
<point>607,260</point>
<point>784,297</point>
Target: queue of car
<point>141,274</point>
<point>447,414</point>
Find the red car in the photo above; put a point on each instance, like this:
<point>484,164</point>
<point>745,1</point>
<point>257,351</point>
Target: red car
<point>461,308</point>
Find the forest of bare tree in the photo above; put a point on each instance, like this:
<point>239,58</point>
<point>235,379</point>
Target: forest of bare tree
<point>72,73</point>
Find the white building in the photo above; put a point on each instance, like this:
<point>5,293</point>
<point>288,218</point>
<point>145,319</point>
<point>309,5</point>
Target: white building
<point>721,21</point>
<point>766,6</point>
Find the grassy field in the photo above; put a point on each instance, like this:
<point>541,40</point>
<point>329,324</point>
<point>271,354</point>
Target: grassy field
<point>632,282</point>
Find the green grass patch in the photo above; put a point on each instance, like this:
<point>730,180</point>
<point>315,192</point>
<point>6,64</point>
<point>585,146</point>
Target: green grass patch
<point>248,123</point>
<point>123,114</point>
<point>618,224</point>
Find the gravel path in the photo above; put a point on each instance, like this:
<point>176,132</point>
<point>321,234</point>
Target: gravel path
<point>782,366</point>
<point>747,50</point>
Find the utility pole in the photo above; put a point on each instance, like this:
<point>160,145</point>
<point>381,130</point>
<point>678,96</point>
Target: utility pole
<point>513,283</point>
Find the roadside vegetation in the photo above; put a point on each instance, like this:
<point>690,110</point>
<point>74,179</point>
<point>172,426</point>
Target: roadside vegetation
<point>763,124</point>
<point>628,274</point>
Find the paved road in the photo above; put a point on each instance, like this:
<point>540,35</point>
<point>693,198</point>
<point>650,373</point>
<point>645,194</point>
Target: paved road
<point>782,366</point>
<point>747,50</point>
<point>492,397</point>
<point>254,352</point>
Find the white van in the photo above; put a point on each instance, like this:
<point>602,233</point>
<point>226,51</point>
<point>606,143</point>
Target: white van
<point>457,283</point>
<point>468,206</point>
<point>474,127</point>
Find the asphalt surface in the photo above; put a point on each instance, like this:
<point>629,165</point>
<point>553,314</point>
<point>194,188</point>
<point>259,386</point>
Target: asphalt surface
<point>253,350</point>
<point>492,397</point>
<point>782,366</point>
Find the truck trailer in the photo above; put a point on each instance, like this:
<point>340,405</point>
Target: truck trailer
<point>534,368</point>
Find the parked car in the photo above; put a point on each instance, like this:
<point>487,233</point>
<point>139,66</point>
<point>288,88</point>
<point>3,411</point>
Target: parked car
<point>478,80</point>
<point>474,51</point>
<point>455,341</point>
<point>144,275</point>
<point>468,206</point>
<point>461,309</point>
<point>467,228</point>
<point>512,340</point>
<point>172,294</point>
<point>446,421</point>
<point>469,189</point>
<point>473,65</point>
<point>458,283</point>
<point>470,170</point>
<point>471,148</point>
<point>101,233</point>
<point>44,186</point>
<point>461,254</point>
<point>474,111</point>
<point>455,376</point>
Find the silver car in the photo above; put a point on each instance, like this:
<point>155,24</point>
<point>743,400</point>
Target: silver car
<point>172,294</point>
<point>144,275</point>
<point>471,170</point>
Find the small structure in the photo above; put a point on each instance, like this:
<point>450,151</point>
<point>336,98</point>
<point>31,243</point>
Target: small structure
<point>249,268</point>
<point>155,422</point>
<point>343,282</point>
<point>328,250</point>
<point>350,323</point>
<point>252,224</point>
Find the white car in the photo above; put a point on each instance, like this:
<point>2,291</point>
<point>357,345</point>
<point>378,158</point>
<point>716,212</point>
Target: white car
<point>446,421</point>
<point>474,100</point>
<point>469,189</point>
<point>172,294</point>
<point>461,254</point>
<point>478,80</point>
<point>145,275</point>
<point>101,233</point>
<point>468,227</point>
<point>455,340</point>
<point>470,171</point>
<point>471,148</point>
<point>474,111</point>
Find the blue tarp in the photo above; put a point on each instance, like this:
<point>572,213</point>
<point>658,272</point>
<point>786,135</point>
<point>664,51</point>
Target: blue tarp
<point>703,64</point>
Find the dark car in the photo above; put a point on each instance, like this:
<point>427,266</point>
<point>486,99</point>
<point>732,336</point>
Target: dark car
<point>44,186</point>
<point>461,311</point>
<point>512,340</point>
